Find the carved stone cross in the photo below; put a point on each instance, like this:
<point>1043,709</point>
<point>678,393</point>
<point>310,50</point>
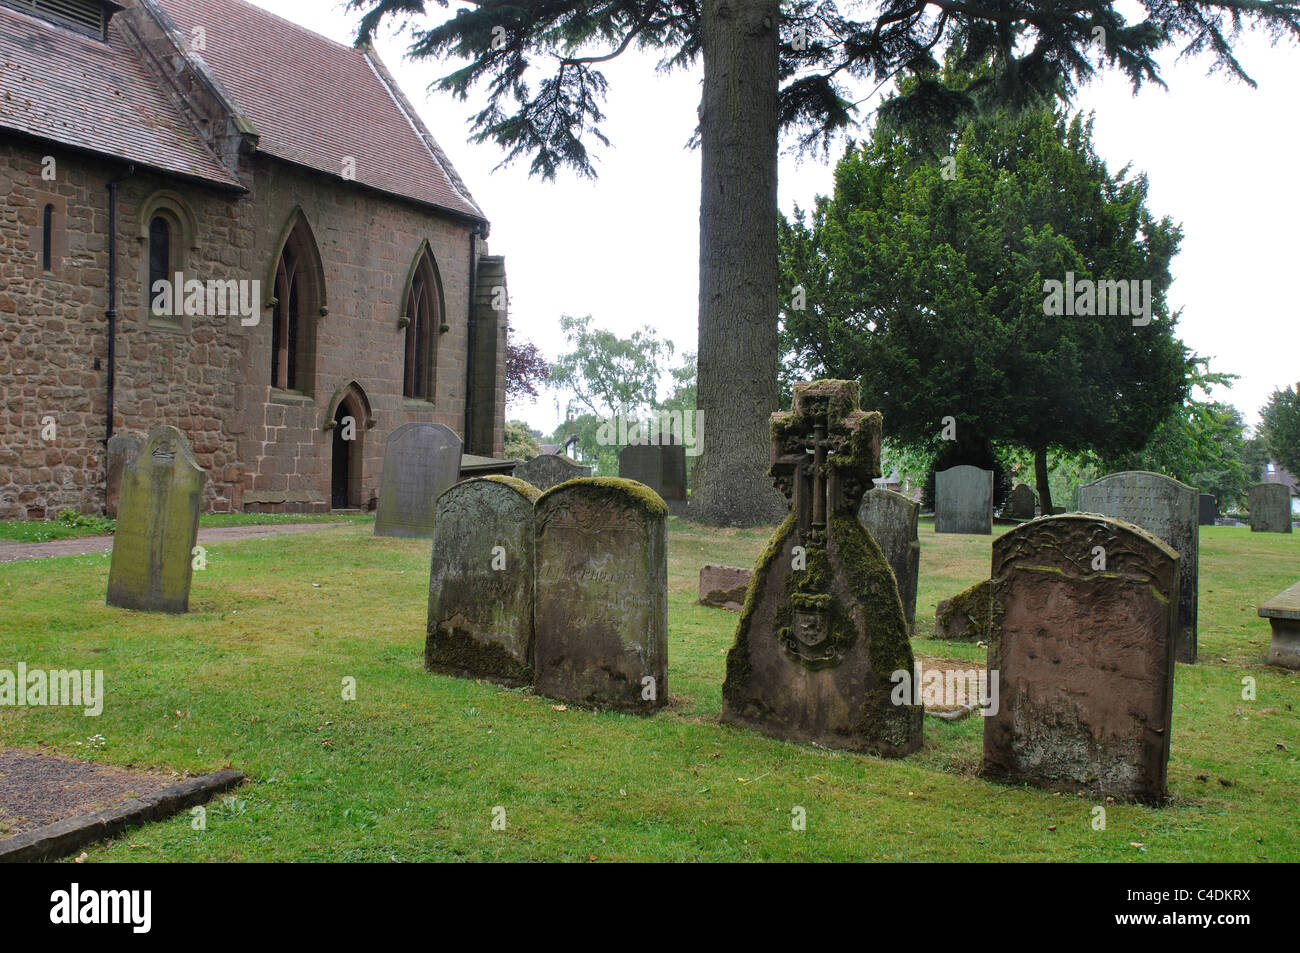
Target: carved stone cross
<point>825,453</point>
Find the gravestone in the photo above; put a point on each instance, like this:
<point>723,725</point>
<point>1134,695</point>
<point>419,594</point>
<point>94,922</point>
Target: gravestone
<point>122,449</point>
<point>421,461</point>
<point>823,631</point>
<point>1167,509</point>
<point>481,582</point>
<point>601,614</point>
<point>662,467</point>
<point>157,526</point>
<point>1209,510</point>
<point>723,587</point>
<point>550,469</point>
<point>1085,623</point>
<point>963,501</point>
<point>966,616</point>
<point>891,519</point>
<point>1270,508</point>
<point>1022,503</point>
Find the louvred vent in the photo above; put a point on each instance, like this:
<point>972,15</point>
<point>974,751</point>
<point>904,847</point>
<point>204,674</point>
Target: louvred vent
<point>85,15</point>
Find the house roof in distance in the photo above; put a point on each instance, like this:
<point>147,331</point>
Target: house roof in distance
<point>318,103</point>
<point>69,88</point>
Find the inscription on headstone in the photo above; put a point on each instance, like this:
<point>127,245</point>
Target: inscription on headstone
<point>601,616</point>
<point>823,631</point>
<point>157,526</point>
<point>891,519</point>
<point>1085,657</point>
<point>481,581</point>
<point>1270,508</point>
<point>1167,509</point>
<point>421,461</point>
<point>963,501</point>
<point>550,469</point>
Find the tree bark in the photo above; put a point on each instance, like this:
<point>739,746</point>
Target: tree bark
<point>738,265</point>
<point>1040,477</point>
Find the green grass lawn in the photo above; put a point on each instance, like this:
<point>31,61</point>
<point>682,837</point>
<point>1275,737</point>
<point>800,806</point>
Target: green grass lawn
<point>42,531</point>
<point>414,767</point>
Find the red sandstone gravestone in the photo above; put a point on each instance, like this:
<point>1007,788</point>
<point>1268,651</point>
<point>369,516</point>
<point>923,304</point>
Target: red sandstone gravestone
<point>1085,621</point>
<point>823,628</point>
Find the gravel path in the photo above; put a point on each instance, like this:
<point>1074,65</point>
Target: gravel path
<point>38,788</point>
<point>12,552</point>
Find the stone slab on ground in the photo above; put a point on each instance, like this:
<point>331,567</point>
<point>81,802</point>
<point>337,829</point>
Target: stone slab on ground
<point>1283,614</point>
<point>723,587</point>
<point>52,806</point>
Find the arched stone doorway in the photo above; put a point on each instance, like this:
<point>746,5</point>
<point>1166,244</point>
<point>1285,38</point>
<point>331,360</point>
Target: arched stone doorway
<point>349,420</point>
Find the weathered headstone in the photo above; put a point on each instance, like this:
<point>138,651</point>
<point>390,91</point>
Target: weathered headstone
<point>891,519</point>
<point>823,630</point>
<point>1167,509</point>
<point>481,581</point>
<point>550,469</point>
<point>662,467</point>
<point>421,461</point>
<point>966,616</point>
<point>1209,510</point>
<point>963,500</point>
<point>723,587</point>
<point>601,614</point>
<point>122,449</point>
<point>1022,503</point>
<point>1084,627</point>
<point>1270,508</point>
<point>157,526</point>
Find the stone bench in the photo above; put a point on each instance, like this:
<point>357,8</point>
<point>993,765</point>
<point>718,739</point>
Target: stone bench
<point>1283,613</point>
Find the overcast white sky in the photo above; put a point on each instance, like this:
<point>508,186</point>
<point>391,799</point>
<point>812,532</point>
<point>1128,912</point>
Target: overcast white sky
<point>1220,157</point>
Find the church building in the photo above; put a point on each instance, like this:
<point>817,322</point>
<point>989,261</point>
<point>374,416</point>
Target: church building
<point>216,219</point>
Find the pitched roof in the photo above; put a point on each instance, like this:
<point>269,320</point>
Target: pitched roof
<point>316,102</point>
<point>66,87</point>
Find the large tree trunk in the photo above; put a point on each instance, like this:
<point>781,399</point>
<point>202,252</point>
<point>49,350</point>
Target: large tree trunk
<point>1040,477</point>
<point>738,264</point>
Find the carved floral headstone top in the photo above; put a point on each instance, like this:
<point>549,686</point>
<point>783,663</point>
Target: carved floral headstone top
<point>822,629</point>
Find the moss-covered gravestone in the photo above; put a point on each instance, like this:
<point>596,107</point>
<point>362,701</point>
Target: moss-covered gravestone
<point>157,526</point>
<point>822,631</point>
<point>421,460</point>
<point>1083,636</point>
<point>601,614</point>
<point>481,582</point>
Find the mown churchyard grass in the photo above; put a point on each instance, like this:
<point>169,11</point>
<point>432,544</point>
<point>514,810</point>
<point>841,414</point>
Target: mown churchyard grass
<point>412,769</point>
